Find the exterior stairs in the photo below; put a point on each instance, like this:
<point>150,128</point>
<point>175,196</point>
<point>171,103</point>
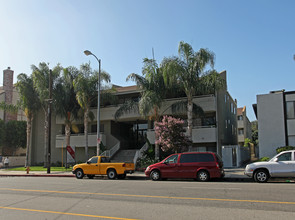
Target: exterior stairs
<point>124,156</point>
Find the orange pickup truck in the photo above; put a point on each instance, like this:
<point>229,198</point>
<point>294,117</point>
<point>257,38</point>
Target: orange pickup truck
<point>100,165</point>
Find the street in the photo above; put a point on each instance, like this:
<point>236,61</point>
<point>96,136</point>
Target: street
<point>70,198</point>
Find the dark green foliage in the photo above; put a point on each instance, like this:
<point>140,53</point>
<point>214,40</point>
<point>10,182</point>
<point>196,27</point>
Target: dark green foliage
<point>13,134</point>
<point>285,148</point>
<point>2,132</point>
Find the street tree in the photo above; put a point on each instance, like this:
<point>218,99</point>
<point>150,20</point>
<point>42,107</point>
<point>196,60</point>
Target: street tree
<point>189,71</point>
<point>30,104</point>
<point>85,86</point>
<point>41,76</point>
<point>65,102</point>
<point>152,94</point>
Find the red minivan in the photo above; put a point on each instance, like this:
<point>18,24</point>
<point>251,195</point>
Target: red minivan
<point>197,165</point>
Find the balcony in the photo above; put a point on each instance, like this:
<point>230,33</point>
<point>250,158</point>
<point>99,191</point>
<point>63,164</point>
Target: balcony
<point>201,134</point>
<point>241,138</point>
<point>78,140</point>
<point>204,134</point>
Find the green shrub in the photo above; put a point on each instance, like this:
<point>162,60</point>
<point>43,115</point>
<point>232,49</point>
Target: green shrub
<point>285,148</point>
<point>264,159</point>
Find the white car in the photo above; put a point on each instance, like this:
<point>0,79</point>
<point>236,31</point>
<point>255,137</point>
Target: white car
<point>281,165</point>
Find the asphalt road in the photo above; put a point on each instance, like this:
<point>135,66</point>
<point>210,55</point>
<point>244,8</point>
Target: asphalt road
<point>69,198</point>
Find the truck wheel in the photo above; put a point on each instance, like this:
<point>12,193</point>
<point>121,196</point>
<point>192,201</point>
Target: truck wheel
<point>79,174</point>
<point>122,176</point>
<point>155,175</point>
<point>261,176</point>
<point>112,174</point>
<point>203,176</point>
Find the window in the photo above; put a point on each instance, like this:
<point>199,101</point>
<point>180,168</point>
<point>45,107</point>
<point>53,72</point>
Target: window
<point>188,158</point>
<point>94,128</point>
<point>290,107</point>
<point>193,158</point>
<point>93,160</point>
<point>284,157</point>
<point>105,160</point>
<point>241,131</point>
<point>172,159</point>
<point>240,117</point>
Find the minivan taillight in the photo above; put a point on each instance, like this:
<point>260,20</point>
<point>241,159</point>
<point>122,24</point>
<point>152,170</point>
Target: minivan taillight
<point>217,165</point>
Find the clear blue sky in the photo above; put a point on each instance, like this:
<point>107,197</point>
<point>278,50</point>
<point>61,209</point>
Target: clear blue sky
<point>254,40</point>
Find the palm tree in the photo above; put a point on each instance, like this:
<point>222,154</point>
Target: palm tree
<point>153,92</point>
<point>41,75</point>
<point>189,71</point>
<point>66,104</point>
<point>29,103</point>
<point>85,86</point>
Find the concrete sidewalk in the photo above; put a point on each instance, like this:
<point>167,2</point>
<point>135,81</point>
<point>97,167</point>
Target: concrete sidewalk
<point>232,174</point>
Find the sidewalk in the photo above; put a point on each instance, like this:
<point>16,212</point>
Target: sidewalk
<point>232,174</point>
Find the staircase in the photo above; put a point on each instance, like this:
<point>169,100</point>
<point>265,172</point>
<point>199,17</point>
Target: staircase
<point>124,156</point>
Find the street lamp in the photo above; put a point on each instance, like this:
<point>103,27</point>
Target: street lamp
<point>87,53</point>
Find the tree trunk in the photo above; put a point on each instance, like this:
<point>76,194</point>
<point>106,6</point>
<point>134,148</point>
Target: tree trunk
<point>190,121</point>
<point>157,147</point>
<point>68,134</point>
<point>86,132</point>
<point>29,129</point>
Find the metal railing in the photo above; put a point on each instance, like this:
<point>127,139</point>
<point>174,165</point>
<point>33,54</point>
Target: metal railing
<point>112,151</point>
<point>139,153</point>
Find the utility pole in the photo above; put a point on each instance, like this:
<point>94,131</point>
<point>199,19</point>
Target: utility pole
<point>49,122</point>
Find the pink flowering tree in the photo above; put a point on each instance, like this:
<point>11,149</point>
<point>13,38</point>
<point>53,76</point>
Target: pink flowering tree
<point>171,135</point>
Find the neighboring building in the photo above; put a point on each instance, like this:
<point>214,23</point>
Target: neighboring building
<point>276,119</point>
<point>244,126</point>
<point>9,95</point>
<point>217,128</point>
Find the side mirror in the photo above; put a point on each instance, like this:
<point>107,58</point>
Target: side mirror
<point>88,162</point>
<point>165,162</point>
<point>276,159</point>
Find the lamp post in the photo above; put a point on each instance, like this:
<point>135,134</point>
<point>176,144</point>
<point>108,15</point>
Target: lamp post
<point>87,53</point>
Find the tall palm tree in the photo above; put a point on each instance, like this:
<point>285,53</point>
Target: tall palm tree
<point>85,86</point>
<point>41,75</point>
<point>30,104</point>
<point>189,71</point>
<point>66,104</point>
<point>153,92</point>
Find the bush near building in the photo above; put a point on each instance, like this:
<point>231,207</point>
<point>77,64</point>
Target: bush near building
<point>12,136</point>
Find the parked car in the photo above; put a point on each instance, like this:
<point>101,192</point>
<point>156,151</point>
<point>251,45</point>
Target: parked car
<point>99,165</point>
<point>196,165</point>
<point>282,165</point>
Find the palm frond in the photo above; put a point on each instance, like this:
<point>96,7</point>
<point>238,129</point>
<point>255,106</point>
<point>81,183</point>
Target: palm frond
<point>125,108</point>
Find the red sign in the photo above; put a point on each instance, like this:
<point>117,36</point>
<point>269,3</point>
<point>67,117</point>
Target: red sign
<point>71,151</point>
<point>98,140</point>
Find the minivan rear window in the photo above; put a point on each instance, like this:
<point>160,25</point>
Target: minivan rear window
<point>193,158</point>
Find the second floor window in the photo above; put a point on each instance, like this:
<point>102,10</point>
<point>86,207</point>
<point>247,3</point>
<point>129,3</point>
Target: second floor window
<point>290,107</point>
<point>240,117</point>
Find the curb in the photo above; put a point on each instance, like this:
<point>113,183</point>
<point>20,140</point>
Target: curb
<point>36,175</point>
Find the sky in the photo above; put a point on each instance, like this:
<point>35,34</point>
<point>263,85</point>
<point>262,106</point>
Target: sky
<point>253,40</point>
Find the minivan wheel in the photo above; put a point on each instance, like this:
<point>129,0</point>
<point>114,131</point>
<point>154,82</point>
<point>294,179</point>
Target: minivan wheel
<point>203,176</point>
<point>155,175</point>
<point>261,176</point>
<point>79,174</point>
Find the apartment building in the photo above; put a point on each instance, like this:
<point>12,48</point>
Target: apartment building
<point>244,126</point>
<point>218,127</point>
<point>276,119</point>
